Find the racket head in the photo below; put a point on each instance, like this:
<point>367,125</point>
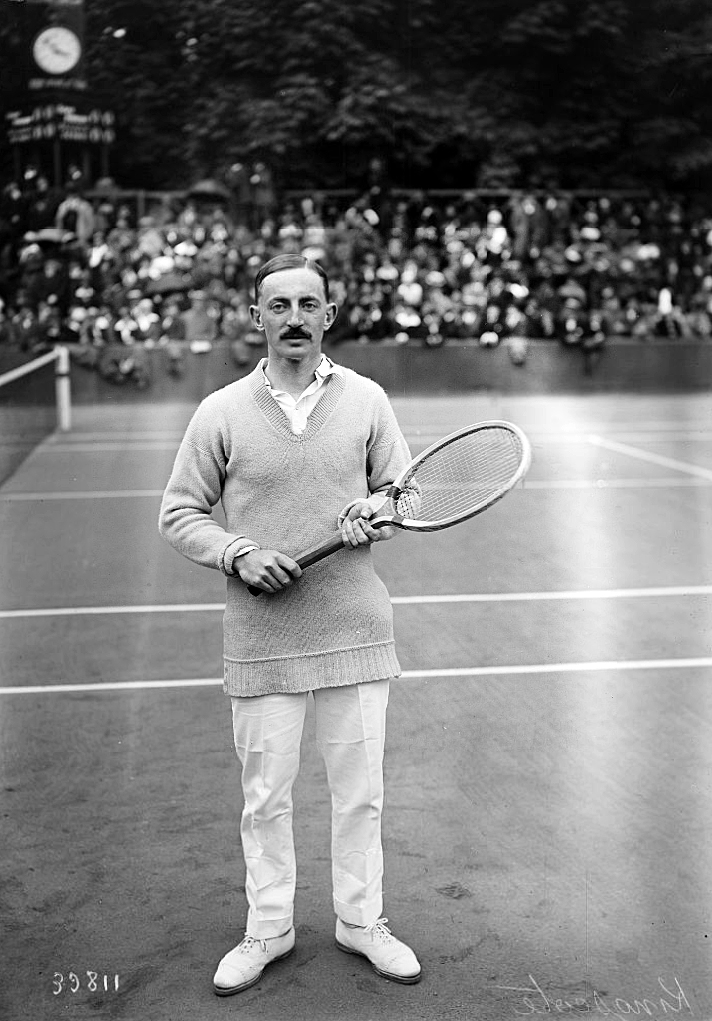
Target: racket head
<point>458,477</point>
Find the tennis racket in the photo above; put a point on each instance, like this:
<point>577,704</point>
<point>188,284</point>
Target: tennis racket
<point>452,480</point>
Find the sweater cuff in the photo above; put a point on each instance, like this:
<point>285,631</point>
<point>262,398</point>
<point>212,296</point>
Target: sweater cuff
<point>235,549</point>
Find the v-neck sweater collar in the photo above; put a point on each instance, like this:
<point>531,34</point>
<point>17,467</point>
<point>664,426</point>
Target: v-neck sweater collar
<point>275,415</point>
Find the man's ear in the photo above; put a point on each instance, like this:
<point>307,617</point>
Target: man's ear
<point>330,315</point>
<point>256,317</point>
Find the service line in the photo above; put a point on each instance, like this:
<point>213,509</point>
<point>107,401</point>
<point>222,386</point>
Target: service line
<point>671,482</point>
<point>660,591</point>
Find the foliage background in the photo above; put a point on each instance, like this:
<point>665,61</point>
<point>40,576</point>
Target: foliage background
<point>448,93</point>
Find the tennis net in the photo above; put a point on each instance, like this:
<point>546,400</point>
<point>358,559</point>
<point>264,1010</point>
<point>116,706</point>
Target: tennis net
<point>34,403</point>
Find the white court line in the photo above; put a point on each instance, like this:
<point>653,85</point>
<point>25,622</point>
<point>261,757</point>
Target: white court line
<point>90,611</point>
<point>581,429</point>
<point>116,436</point>
<point>116,446</point>
<point>525,597</point>
<point>36,689</point>
<point>672,482</point>
<point>660,591</point>
<point>86,494</point>
<point>658,436</point>
<point>686,435</point>
<point>690,663</point>
<point>646,455</point>
<point>163,442</point>
<point>109,446</point>
<point>168,441</point>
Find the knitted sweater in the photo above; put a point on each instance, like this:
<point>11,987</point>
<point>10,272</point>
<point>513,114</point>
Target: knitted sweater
<point>334,625</point>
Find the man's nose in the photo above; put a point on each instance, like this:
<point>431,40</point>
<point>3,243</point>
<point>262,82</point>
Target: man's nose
<point>295,316</point>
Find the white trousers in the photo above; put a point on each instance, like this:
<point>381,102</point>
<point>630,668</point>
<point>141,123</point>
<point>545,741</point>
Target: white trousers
<point>350,734</point>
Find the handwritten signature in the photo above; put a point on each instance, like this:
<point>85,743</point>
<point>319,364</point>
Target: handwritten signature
<point>536,1001</point>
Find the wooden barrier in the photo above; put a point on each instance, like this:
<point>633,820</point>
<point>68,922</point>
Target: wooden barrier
<point>622,366</point>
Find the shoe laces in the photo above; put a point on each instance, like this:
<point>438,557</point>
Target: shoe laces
<point>380,929</point>
<point>248,942</point>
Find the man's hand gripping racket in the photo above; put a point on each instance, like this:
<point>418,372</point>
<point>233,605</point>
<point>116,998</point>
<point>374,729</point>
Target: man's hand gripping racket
<point>452,480</point>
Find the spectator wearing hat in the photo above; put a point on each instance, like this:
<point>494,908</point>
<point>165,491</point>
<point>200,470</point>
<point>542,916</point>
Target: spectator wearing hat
<point>8,337</point>
<point>235,324</point>
<point>41,205</point>
<point>76,214</point>
<point>148,322</point>
<point>527,224</point>
<point>200,324</point>
<point>25,326</point>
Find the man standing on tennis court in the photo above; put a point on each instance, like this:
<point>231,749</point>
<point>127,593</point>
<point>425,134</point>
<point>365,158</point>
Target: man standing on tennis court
<point>295,450</point>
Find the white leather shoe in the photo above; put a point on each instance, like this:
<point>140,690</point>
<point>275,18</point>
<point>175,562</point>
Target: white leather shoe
<point>389,956</point>
<point>242,967</point>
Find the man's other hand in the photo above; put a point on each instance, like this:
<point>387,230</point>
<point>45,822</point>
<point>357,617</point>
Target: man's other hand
<point>267,570</point>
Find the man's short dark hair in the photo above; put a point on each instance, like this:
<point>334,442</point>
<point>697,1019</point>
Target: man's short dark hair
<point>290,261</point>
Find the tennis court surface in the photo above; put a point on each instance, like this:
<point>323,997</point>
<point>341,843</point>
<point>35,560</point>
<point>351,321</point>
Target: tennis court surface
<point>548,823</point>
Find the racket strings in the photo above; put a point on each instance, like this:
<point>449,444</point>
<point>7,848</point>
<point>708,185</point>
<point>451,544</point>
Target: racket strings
<point>468,473</point>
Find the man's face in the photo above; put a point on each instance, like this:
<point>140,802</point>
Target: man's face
<point>293,312</point>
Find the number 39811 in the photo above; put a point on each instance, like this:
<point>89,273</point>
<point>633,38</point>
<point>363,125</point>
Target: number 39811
<point>88,981</point>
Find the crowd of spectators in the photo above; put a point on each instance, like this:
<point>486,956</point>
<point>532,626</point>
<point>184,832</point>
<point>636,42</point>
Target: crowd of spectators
<point>407,268</point>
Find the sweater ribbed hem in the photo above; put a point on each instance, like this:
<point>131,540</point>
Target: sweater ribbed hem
<point>334,669</point>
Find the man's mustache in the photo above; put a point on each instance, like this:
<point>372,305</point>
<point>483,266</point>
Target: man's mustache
<point>295,333</point>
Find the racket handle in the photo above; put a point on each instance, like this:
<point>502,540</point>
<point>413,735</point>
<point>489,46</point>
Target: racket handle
<point>311,556</point>
<point>322,550</point>
<point>335,543</point>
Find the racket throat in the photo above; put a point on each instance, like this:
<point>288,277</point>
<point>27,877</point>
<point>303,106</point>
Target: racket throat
<point>389,515</point>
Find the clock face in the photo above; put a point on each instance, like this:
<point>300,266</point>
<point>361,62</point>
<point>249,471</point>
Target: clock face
<point>56,50</point>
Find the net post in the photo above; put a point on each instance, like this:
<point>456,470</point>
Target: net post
<point>63,388</point>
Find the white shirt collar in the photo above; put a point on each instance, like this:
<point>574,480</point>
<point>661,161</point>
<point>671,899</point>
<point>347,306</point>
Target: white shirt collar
<point>324,369</point>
